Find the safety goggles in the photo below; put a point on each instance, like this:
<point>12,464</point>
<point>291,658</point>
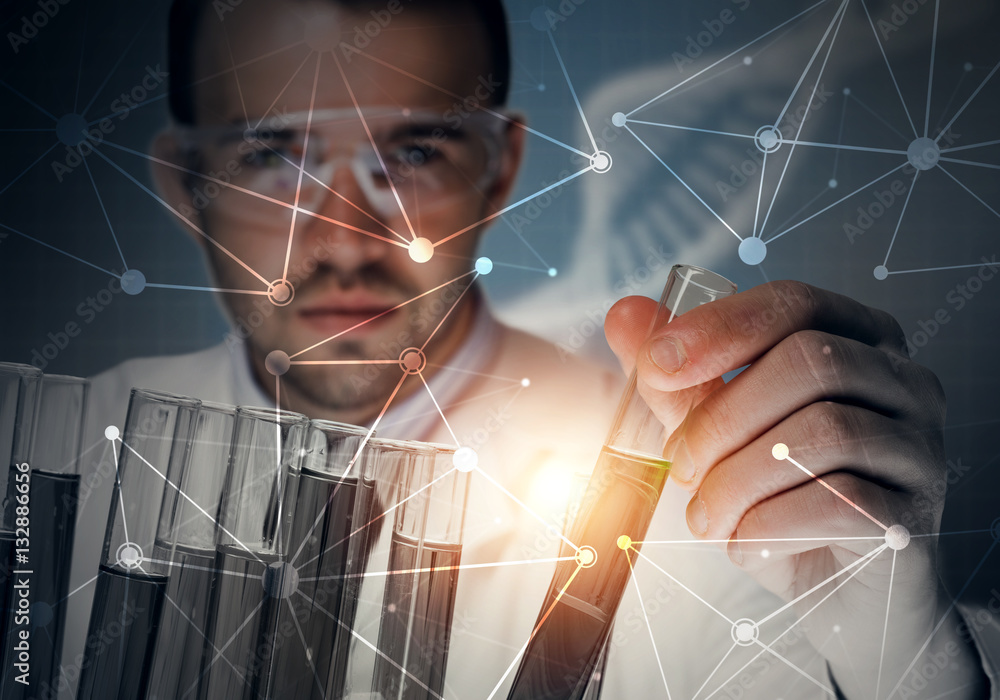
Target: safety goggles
<point>427,159</point>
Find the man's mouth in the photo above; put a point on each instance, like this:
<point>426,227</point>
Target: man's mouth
<point>360,314</point>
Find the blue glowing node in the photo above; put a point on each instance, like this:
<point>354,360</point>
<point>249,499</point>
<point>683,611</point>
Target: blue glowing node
<point>484,266</point>
<point>553,272</point>
<point>133,282</point>
<point>832,183</point>
<point>72,129</point>
<point>881,272</point>
<point>923,153</point>
<point>619,119</point>
<point>541,18</point>
<point>541,87</point>
<point>753,251</point>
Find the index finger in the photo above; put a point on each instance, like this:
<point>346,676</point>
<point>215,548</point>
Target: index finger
<point>716,338</point>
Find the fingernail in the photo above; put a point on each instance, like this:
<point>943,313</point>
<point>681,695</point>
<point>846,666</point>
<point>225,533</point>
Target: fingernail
<point>682,467</point>
<point>696,516</point>
<point>735,552</point>
<point>667,354</point>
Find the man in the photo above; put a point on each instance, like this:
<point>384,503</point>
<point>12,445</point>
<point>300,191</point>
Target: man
<point>353,176</point>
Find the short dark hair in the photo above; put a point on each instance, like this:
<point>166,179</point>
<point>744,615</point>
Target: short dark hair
<point>185,16</point>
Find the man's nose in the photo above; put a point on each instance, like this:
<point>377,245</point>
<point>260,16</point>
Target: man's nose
<point>347,222</point>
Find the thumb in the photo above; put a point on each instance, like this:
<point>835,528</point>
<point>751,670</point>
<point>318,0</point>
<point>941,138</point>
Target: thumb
<point>626,326</point>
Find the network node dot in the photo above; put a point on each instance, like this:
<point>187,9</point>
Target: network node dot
<point>780,451</point>
<point>540,18</point>
<point>747,60</point>
<point>753,250</point>
<point>847,91</point>
<point>968,67</point>
<point>280,579</point>
<point>553,272</point>
<point>832,184</point>
<point>897,537</point>
<point>277,362</point>
<point>421,250</point>
<point>619,119</point>
<point>601,162</point>
<point>72,129</point>
<point>881,272</point>
<point>995,529</point>
<point>923,153</point>
<point>112,432</point>
<point>133,282</point>
<point>41,614</point>
<point>465,459</point>
<point>624,542</point>
<point>765,553</point>
<point>484,266</point>
<point>412,361</point>
<point>586,557</point>
<point>836,629</point>
<point>768,139</point>
<point>281,292</point>
<point>391,607</point>
<point>525,382</point>
<point>129,555</point>
<point>745,632</point>
<point>541,87</point>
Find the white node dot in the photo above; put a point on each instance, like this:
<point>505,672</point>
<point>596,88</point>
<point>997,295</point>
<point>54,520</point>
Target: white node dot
<point>280,292</point>
<point>391,607</point>
<point>133,282</point>
<point>112,432</point>
<point>768,139</point>
<point>753,250</point>
<point>525,382</point>
<point>836,629</point>
<point>421,250</point>
<point>553,272</point>
<point>412,361</point>
<point>780,451</point>
<point>280,579</point>
<point>586,557</point>
<point>923,153</point>
<point>619,119</point>
<point>847,91</point>
<point>897,537</point>
<point>277,362</point>
<point>765,553</point>
<point>745,632</point>
<point>129,555</point>
<point>601,162</point>
<point>465,459</point>
<point>484,266</point>
<point>541,87</point>
<point>497,520</point>
<point>832,184</point>
<point>747,60</point>
<point>881,272</point>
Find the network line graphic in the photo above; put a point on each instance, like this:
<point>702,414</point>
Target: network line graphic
<point>925,154</point>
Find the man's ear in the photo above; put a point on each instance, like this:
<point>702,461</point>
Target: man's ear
<point>174,184</point>
<point>510,162</point>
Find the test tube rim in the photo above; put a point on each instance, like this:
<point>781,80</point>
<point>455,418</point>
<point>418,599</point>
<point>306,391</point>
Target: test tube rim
<point>721,288</point>
<point>165,397</point>
<point>271,415</point>
<point>20,369</point>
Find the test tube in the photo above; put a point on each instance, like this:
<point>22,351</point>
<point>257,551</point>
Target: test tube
<point>328,558</point>
<point>131,582</point>
<point>422,576</point>
<point>18,395</point>
<point>185,542</point>
<point>583,597</point>
<point>53,453</point>
<point>253,577</point>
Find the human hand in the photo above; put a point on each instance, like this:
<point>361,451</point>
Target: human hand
<point>829,379</point>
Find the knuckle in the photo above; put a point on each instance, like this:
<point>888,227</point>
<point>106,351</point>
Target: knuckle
<point>800,297</point>
<point>815,358</point>
<point>829,428</point>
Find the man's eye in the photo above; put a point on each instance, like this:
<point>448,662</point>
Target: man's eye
<point>415,154</point>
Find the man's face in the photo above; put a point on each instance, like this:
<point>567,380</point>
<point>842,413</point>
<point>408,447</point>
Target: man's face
<point>345,250</point>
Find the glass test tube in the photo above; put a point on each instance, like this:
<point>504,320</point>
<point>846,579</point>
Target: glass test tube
<point>131,583</point>
<point>253,578</point>
<point>622,494</point>
<point>185,541</point>
<point>18,395</point>
<point>422,576</point>
<point>53,453</point>
<point>332,501</point>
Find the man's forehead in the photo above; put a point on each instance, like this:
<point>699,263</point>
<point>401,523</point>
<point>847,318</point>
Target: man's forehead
<point>259,59</point>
